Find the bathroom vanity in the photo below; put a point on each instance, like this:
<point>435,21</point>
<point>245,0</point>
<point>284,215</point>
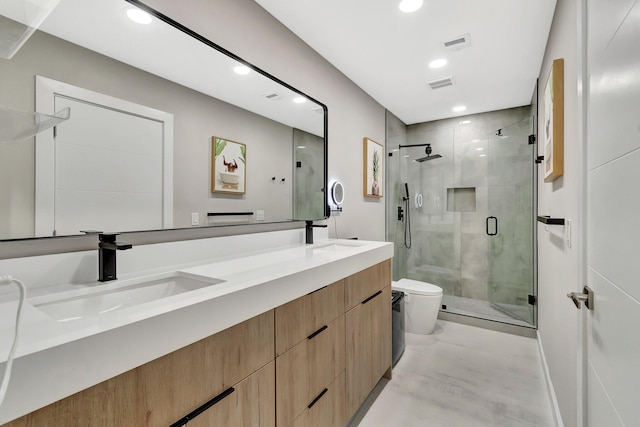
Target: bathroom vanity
<point>297,335</point>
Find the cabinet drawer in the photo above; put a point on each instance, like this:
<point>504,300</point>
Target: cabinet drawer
<point>306,369</point>
<point>329,408</point>
<point>251,403</point>
<point>365,283</point>
<point>298,319</point>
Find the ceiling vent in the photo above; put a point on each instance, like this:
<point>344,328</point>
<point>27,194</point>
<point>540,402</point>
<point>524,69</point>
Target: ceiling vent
<point>440,83</point>
<point>458,42</point>
<point>273,96</point>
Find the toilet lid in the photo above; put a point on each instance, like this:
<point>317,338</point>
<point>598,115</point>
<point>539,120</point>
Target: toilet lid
<point>416,287</point>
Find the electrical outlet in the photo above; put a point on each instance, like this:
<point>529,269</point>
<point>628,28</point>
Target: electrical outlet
<point>195,218</point>
<point>567,231</point>
<point>260,215</point>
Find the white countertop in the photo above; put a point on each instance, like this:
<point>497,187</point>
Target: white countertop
<point>55,359</point>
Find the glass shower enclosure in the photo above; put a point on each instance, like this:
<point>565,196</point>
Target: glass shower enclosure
<point>464,221</point>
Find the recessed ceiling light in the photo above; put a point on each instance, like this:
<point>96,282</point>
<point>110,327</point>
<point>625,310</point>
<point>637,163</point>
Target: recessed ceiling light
<point>459,108</point>
<point>438,63</point>
<point>482,155</point>
<point>465,122</point>
<point>408,6</point>
<point>300,100</point>
<point>139,16</point>
<point>243,70</point>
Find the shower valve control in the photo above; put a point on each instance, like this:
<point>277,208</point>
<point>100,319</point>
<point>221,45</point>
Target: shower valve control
<point>400,213</point>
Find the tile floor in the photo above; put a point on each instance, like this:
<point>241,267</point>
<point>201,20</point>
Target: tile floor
<point>461,376</point>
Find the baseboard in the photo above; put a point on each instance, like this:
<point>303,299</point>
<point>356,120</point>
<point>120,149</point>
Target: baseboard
<point>557,417</point>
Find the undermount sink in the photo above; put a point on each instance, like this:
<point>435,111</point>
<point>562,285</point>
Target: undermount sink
<point>337,247</point>
<point>105,301</point>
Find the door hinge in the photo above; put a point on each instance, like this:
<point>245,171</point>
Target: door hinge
<point>55,131</point>
<point>539,159</point>
<point>532,139</point>
<point>532,299</point>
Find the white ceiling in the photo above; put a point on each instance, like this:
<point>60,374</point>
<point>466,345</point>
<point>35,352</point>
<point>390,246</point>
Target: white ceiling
<point>386,52</point>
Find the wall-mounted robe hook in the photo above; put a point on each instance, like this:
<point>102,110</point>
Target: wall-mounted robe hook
<point>273,179</point>
<point>282,179</point>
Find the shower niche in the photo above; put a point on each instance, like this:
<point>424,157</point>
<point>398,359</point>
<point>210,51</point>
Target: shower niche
<point>461,199</point>
<point>473,235</point>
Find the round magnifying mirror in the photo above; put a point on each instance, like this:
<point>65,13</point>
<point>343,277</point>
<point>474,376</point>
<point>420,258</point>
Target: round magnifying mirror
<point>337,193</point>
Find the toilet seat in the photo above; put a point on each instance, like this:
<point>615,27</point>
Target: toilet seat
<point>416,287</point>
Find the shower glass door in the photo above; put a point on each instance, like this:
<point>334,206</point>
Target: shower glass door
<point>510,221</point>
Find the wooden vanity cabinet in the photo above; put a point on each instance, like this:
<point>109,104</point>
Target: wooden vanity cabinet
<point>328,409</point>
<point>368,332</point>
<point>298,319</point>
<point>306,363</point>
<point>251,403</point>
<point>304,371</point>
<point>166,389</point>
<point>310,347</point>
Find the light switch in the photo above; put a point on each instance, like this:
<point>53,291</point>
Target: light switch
<point>567,232</point>
<point>260,215</point>
<point>195,218</point>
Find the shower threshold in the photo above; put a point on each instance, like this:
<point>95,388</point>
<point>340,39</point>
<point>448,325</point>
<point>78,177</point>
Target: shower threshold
<point>483,310</point>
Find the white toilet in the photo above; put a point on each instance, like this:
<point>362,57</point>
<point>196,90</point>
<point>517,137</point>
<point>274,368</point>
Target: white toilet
<point>422,303</point>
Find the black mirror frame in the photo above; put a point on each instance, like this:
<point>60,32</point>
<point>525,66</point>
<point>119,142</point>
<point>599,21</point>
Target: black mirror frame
<point>202,39</point>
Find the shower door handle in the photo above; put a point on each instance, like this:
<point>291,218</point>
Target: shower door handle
<point>495,225</point>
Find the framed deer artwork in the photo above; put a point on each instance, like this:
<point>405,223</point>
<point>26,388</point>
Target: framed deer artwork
<point>228,166</point>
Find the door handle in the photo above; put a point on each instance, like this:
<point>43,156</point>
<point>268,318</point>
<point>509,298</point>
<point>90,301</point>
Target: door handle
<point>587,296</point>
<point>489,218</point>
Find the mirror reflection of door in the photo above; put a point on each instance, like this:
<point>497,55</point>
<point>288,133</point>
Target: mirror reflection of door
<point>108,168</point>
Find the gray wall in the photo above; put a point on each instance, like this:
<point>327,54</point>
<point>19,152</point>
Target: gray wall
<point>558,265</point>
<point>196,119</point>
<point>246,29</point>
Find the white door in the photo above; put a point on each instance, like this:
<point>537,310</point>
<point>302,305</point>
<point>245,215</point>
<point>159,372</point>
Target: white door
<point>107,168</point>
<point>612,334</point>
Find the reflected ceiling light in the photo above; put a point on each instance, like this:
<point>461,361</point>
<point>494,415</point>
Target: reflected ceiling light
<point>300,100</point>
<point>243,70</point>
<point>479,148</point>
<point>465,122</point>
<point>475,140</point>
<point>482,155</point>
<point>408,6</point>
<point>302,146</point>
<point>139,16</point>
<point>459,108</point>
<point>438,63</point>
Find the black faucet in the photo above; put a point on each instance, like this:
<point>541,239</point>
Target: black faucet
<point>309,231</point>
<point>107,256</point>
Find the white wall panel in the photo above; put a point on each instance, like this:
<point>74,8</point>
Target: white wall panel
<point>615,346</point>
<point>613,234</point>
<point>604,414</point>
<point>604,19</point>
<point>615,87</point>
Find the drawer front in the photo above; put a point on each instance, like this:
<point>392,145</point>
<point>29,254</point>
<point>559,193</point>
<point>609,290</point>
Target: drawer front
<point>365,283</point>
<point>327,408</point>
<point>252,403</point>
<point>306,369</point>
<point>298,319</point>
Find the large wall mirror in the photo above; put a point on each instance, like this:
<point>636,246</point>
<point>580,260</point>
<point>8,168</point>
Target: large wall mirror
<point>166,130</point>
